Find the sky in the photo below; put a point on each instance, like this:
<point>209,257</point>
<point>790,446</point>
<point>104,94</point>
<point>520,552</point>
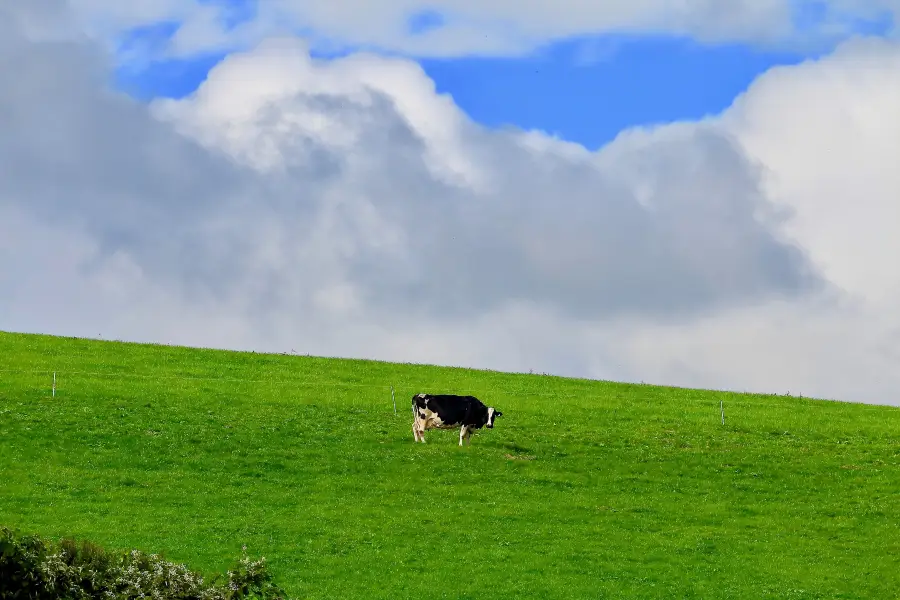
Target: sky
<point>583,90</point>
<point>673,193</point>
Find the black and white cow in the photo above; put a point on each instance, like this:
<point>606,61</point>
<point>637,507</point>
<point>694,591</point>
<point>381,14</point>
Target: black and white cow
<point>448,411</point>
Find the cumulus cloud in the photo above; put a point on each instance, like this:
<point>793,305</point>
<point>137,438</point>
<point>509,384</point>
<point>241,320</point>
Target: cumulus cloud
<point>346,208</point>
<point>501,27</point>
<point>452,224</point>
<point>826,132</point>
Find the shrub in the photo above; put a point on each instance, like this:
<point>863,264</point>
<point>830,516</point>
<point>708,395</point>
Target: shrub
<point>20,561</point>
<point>34,569</point>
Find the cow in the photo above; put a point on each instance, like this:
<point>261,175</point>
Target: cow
<point>448,411</point>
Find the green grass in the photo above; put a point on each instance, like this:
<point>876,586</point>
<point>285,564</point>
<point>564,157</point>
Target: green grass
<point>583,490</point>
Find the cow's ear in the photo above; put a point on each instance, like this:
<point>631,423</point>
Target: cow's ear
<point>498,414</point>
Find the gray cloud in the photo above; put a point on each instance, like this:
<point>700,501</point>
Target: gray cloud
<point>565,232</point>
<point>573,234</point>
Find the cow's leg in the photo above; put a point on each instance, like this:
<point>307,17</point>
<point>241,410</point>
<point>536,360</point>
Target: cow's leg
<point>469,436</point>
<point>419,431</point>
<point>463,434</point>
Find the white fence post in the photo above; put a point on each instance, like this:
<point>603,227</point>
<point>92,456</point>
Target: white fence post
<point>392,399</point>
<point>53,390</point>
<point>722,408</point>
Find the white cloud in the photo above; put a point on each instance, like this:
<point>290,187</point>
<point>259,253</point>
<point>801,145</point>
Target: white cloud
<point>500,27</point>
<point>834,159</point>
<point>344,208</point>
<point>819,348</point>
<point>828,134</point>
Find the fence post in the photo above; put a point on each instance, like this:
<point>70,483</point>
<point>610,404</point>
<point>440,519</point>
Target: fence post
<point>53,390</point>
<point>722,408</point>
<point>392,399</point>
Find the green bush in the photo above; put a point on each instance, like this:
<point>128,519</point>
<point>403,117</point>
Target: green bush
<point>34,569</point>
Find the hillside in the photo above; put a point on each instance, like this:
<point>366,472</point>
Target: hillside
<point>583,490</point>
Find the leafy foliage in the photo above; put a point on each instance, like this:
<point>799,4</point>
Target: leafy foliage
<point>34,569</point>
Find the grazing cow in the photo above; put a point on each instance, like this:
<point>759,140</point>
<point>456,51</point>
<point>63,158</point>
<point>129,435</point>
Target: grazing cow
<point>447,411</point>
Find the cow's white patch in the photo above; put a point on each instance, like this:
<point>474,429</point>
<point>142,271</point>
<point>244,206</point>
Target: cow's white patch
<point>426,419</point>
<point>431,420</point>
<point>490,416</point>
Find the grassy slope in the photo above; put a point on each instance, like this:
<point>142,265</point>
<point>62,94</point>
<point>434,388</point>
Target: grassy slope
<point>584,489</point>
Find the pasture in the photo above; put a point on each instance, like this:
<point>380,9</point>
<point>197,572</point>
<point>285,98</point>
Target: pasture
<point>583,490</point>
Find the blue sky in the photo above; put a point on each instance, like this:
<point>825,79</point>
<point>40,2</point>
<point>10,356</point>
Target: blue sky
<point>584,90</point>
<point>632,82</point>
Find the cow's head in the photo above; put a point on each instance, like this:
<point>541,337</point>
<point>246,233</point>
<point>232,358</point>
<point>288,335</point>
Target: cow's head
<point>493,413</point>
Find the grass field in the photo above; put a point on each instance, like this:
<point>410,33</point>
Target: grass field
<point>583,490</point>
